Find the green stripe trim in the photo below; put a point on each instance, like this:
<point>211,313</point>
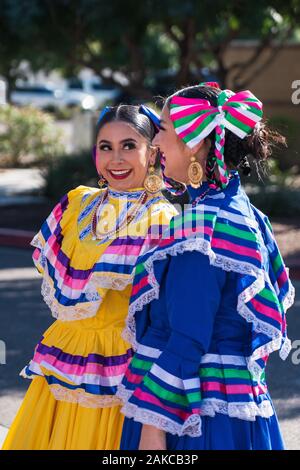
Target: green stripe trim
<point>140,364</point>
<point>277,263</point>
<point>189,118</point>
<point>268,295</point>
<point>161,392</point>
<point>191,217</point>
<point>139,268</point>
<point>237,123</point>
<point>225,373</point>
<point>235,232</point>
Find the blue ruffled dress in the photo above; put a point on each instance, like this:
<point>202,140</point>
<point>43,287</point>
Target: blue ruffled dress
<point>192,350</point>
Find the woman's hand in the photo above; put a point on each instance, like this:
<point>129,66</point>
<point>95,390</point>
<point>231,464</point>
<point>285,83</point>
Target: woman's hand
<point>152,438</point>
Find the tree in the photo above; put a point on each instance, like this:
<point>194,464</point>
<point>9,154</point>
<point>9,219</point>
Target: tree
<point>203,31</point>
<point>137,39</point>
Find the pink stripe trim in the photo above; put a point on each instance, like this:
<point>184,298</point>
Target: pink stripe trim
<point>96,369</point>
<point>146,397</point>
<point>123,250</point>
<point>36,254</point>
<point>232,389</point>
<point>241,250</point>
<point>133,378</point>
<point>142,283</point>
<point>196,124</point>
<point>240,116</point>
<point>246,96</point>
<point>193,109</point>
<point>282,279</point>
<point>181,101</point>
<point>202,229</point>
<point>265,310</point>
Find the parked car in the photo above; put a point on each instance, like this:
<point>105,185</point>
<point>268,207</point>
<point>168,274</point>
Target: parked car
<point>39,96</point>
<point>92,87</point>
<point>48,96</point>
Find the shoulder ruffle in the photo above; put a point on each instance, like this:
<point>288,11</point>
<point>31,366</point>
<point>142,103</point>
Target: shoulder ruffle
<point>235,238</point>
<point>76,272</point>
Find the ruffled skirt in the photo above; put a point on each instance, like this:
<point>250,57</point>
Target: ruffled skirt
<point>220,432</point>
<point>44,423</point>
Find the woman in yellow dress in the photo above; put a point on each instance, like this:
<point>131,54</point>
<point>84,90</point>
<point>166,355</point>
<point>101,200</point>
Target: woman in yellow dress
<point>86,252</point>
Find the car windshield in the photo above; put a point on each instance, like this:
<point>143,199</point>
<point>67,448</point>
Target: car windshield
<point>75,84</point>
<point>35,89</point>
<point>102,86</point>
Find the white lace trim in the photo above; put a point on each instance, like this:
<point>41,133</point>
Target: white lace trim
<point>84,399</point>
<point>123,393</point>
<point>94,300</point>
<point>37,242</point>
<point>129,332</point>
<point>227,264</point>
<point>191,427</point>
<point>245,411</point>
<point>75,312</point>
<point>289,298</point>
<point>109,281</point>
<point>26,376</point>
<point>78,396</point>
<point>209,407</point>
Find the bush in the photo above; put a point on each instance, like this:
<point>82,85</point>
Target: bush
<point>27,136</point>
<point>277,201</point>
<point>68,171</point>
<point>287,158</point>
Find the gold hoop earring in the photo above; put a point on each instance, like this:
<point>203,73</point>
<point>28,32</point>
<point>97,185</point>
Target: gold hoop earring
<point>195,173</point>
<point>152,183</point>
<point>102,182</point>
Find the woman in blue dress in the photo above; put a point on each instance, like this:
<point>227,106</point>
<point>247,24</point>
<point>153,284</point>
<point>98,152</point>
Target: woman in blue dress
<point>208,303</point>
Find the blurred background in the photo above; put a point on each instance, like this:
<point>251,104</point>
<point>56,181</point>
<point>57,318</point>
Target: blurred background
<point>61,61</point>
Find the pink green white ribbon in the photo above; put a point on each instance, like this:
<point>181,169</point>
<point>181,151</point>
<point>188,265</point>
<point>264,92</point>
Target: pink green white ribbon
<point>194,119</point>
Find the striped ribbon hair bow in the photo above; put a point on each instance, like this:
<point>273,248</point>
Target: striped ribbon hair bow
<point>194,119</point>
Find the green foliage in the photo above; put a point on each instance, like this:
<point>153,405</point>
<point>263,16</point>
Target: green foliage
<point>277,201</point>
<point>69,171</point>
<point>137,38</point>
<point>287,159</point>
<point>27,133</point>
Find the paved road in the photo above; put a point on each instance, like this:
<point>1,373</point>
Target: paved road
<point>24,317</point>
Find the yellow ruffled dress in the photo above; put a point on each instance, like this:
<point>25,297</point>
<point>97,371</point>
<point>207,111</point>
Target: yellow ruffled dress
<point>80,360</point>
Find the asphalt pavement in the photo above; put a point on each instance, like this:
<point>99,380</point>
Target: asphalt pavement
<point>24,316</point>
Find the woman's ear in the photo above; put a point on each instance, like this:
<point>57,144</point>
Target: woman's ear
<point>153,155</point>
<point>195,150</point>
<point>201,148</point>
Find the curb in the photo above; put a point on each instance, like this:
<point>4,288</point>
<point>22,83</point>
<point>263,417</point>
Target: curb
<point>22,238</point>
<point>3,433</point>
<point>15,238</point>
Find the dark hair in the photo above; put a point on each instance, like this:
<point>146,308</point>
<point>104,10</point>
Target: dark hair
<point>145,127</point>
<point>131,115</point>
<point>258,145</point>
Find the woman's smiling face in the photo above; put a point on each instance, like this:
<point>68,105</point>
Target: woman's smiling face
<point>123,156</point>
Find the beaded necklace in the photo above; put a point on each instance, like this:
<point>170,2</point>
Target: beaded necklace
<point>202,196</point>
<point>199,198</point>
<point>128,219</point>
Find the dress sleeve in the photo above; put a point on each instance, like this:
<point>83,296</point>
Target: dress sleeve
<point>46,239</point>
<point>169,396</point>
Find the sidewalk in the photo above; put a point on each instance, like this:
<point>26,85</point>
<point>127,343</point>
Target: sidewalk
<point>3,432</point>
<point>26,316</point>
<point>23,210</point>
